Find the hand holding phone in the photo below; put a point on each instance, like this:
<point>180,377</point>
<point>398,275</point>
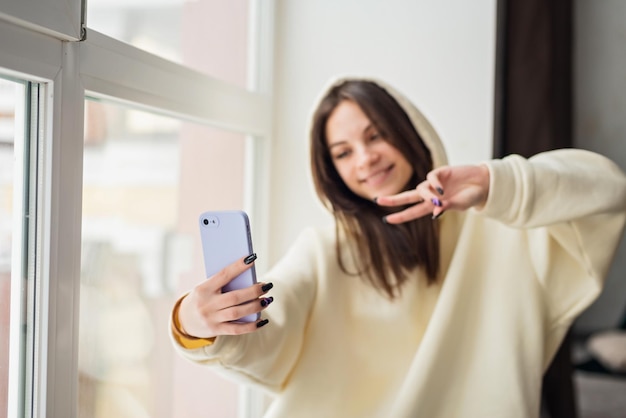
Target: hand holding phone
<point>226,238</point>
<point>207,312</point>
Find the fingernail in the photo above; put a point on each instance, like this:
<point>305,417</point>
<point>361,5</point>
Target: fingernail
<point>262,323</point>
<point>266,301</point>
<point>438,215</point>
<point>375,199</point>
<point>439,190</point>
<point>267,286</point>
<point>385,220</point>
<point>436,201</point>
<point>249,259</point>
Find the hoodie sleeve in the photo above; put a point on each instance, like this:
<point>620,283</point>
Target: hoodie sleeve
<point>265,357</point>
<point>571,205</point>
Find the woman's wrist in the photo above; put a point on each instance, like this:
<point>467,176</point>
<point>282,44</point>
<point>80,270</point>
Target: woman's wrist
<point>484,183</point>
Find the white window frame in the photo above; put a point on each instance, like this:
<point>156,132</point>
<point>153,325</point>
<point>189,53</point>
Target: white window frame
<point>100,66</point>
<point>62,19</point>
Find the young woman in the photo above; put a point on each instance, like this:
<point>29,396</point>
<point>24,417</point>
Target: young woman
<point>398,311</point>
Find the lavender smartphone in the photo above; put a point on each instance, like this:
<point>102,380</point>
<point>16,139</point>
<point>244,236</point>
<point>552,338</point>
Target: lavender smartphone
<point>226,237</point>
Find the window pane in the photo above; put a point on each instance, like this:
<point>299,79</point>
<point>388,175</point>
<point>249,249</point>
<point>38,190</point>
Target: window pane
<point>7,112</point>
<point>207,35</point>
<point>12,238</point>
<point>146,180</point>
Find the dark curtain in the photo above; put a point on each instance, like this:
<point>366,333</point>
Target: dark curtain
<point>533,76</point>
<point>533,113</point>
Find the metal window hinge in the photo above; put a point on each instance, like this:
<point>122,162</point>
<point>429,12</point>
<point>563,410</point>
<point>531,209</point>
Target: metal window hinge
<point>83,20</point>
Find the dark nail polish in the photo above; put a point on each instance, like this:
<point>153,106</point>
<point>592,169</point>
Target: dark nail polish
<point>262,322</point>
<point>249,259</point>
<point>267,286</point>
<point>436,201</point>
<point>385,220</point>
<point>439,190</point>
<point>375,199</point>
<point>438,215</point>
<point>266,301</point>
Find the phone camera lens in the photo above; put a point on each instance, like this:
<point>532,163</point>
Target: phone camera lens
<point>206,221</point>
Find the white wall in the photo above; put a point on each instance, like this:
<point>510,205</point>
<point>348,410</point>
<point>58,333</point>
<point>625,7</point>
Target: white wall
<point>441,54</point>
<point>600,122</point>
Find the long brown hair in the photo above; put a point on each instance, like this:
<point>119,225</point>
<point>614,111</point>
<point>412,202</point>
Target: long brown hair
<point>385,253</point>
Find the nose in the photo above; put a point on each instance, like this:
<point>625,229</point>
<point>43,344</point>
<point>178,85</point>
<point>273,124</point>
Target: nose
<point>366,156</point>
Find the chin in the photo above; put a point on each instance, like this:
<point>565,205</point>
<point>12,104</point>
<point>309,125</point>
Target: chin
<point>385,190</point>
<point>379,193</point>
<point>389,191</point>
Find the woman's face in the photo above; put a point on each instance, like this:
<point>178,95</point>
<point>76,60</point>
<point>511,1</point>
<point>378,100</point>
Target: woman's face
<point>366,162</point>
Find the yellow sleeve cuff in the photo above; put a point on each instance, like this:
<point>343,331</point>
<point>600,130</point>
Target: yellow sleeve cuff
<point>184,339</point>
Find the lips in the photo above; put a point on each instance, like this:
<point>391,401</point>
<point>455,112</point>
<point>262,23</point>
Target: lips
<point>378,175</point>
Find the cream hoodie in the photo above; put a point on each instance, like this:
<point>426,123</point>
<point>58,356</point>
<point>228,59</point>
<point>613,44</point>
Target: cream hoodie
<point>514,277</point>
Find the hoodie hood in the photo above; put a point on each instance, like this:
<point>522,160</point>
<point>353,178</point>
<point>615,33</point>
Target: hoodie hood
<point>422,125</point>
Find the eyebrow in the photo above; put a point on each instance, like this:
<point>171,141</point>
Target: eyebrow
<point>334,144</point>
<point>343,141</point>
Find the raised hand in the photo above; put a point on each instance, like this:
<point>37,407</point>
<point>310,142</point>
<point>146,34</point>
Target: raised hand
<point>445,188</point>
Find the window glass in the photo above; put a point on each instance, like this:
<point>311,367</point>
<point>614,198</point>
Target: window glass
<point>207,35</point>
<point>146,180</point>
<point>12,289</point>
<point>7,112</point>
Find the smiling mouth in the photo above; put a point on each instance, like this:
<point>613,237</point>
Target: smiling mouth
<point>377,174</point>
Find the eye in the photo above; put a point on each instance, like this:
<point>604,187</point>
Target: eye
<point>375,136</point>
<point>342,154</point>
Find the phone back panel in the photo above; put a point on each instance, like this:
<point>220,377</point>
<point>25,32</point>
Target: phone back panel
<point>226,238</point>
